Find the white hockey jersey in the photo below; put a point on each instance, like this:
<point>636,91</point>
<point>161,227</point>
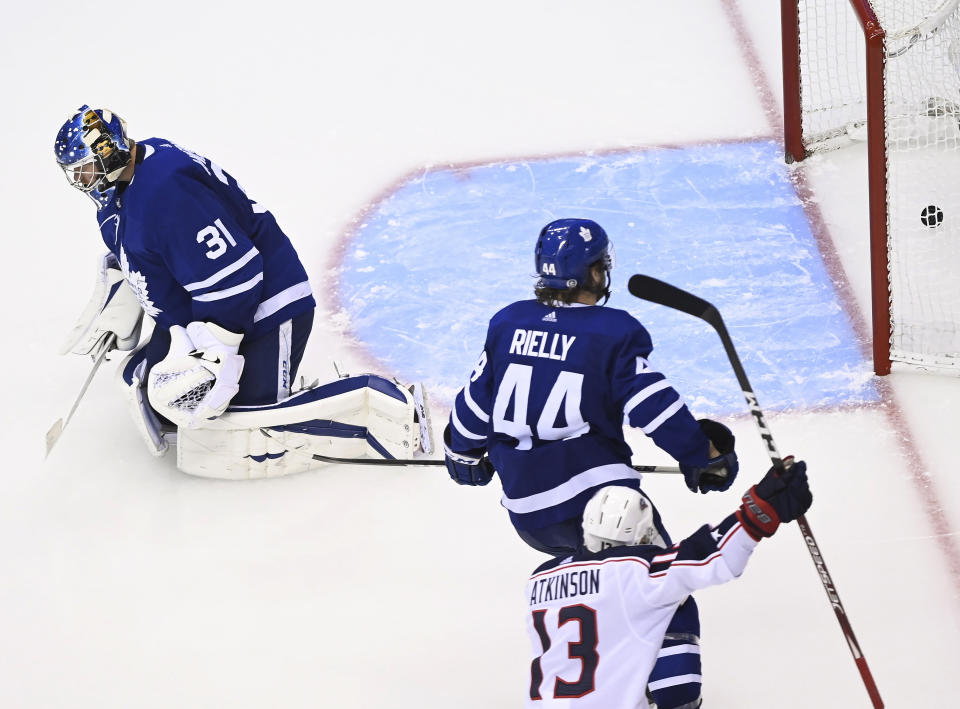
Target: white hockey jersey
<point>597,621</point>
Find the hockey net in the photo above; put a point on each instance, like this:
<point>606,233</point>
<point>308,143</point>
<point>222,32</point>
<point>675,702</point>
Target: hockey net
<point>888,72</point>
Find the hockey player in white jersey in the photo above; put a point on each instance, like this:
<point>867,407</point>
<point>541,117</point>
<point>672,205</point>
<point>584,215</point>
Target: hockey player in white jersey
<point>598,618</point>
<point>233,311</point>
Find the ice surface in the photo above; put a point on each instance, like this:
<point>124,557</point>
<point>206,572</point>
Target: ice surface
<point>128,584</point>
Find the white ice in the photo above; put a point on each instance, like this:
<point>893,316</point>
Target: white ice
<point>125,583</point>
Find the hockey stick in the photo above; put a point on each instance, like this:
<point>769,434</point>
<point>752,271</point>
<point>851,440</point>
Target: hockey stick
<point>650,289</point>
<point>53,435</point>
<point>421,461</point>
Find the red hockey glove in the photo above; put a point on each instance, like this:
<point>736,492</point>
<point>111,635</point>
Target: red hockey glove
<point>782,496</point>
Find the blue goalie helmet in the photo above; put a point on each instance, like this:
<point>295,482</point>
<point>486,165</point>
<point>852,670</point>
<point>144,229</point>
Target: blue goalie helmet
<point>93,149</point>
<point>566,250</point>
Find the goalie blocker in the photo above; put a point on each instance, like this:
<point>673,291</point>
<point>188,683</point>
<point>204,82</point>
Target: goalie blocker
<point>112,308</point>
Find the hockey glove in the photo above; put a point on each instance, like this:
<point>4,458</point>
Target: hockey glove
<point>782,496</point>
<point>199,376</point>
<point>719,472</point>
<point>113,309</point>
<point>469,468</point>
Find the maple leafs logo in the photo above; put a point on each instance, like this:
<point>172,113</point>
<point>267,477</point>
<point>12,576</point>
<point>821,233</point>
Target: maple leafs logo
<point>585,233</point>
<point>138,282</point>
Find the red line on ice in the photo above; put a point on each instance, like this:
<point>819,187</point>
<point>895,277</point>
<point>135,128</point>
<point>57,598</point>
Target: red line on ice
<point>924,484</point>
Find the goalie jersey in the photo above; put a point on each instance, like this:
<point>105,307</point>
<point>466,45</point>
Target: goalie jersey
<point>597,621</point>
<point>548,400</point>
<point>193,246</point>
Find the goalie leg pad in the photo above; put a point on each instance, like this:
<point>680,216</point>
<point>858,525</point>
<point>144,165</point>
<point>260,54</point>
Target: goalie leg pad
<point>423,417</point>
<point>240,454</point>
<point>348,418</point>
<point>375,412</point>
<point>247,454</point>
<point>132,371</point>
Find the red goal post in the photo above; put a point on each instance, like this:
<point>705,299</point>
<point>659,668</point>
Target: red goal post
<point>887,73</point>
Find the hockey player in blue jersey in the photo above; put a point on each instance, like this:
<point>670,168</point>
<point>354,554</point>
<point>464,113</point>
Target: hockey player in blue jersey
<point>624,587</point>
<point>558,378</point>
<point>229,297</point>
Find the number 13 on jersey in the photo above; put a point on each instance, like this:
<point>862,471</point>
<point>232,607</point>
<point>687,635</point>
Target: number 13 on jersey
<point>582,650</point>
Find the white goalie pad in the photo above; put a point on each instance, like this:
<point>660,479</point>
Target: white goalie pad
<point>423,417</point>
<point>144,419</point>
<point>352,417</point>
<point>113,307</point>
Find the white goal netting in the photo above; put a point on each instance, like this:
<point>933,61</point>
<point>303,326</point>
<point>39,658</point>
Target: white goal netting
<point>921,90</point>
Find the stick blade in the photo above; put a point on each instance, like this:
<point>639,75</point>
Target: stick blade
<point>656,291</point>
<point>53,435</point>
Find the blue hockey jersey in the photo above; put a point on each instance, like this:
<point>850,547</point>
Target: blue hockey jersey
<point>548,400</point>
<point>193,246</point>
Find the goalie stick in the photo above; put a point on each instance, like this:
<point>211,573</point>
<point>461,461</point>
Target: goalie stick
<point>53,435</point>
<point>421,461</point>
<point>655,291</point>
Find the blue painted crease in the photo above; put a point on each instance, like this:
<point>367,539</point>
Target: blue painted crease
<point>436,259</point>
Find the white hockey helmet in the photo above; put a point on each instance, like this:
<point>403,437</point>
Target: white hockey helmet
<point>616,516</point>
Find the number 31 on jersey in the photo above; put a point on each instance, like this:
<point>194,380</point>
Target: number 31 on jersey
<point>216,237</point>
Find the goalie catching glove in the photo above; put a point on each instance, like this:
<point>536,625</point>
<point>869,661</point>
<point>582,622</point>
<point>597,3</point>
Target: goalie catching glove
<point>113,309</point>
<point>199,376</point>
<point>782,496</point>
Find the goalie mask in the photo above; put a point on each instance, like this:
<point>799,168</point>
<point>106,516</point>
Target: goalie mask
<point>92,148</point>
<point>566,250</point>
<point>616,516</point>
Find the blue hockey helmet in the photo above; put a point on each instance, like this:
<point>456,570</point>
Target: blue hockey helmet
<point>567,248</point>
<point>93,149</point>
